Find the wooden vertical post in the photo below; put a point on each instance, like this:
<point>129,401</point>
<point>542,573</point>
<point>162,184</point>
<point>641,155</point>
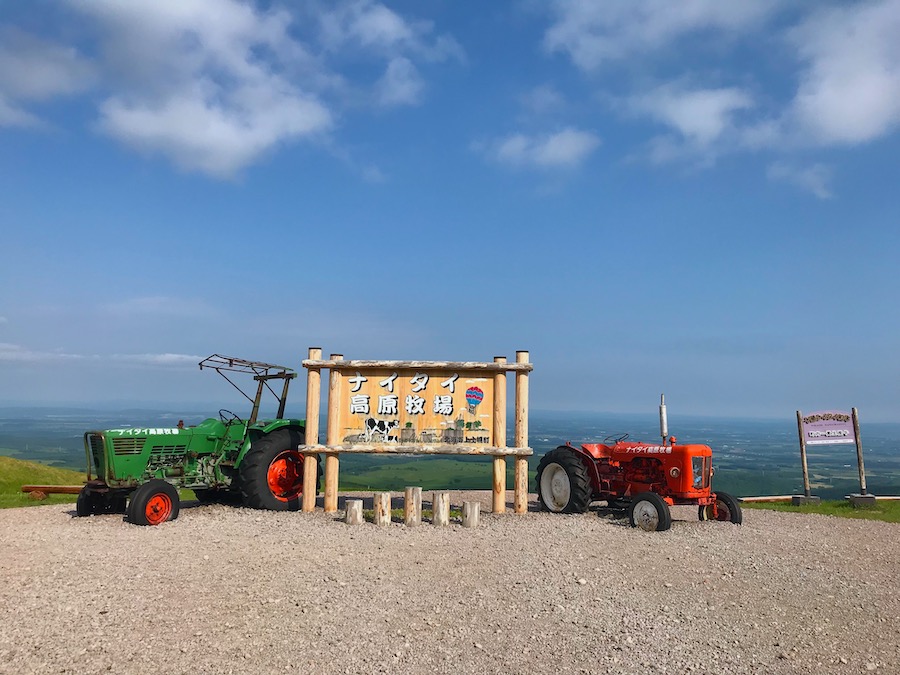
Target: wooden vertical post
<point>859,453</point>
<point>499,503</point>
<point>354,515</point>
<point>382,507</point>
<point>806,489</point>
<point>412,506</point>
<point>470,511</point>
<point>520,500</point>
<point>440,508</point>
<point>333,436</point>
<point>313,400</point>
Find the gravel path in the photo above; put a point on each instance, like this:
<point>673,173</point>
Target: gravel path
<point>229,590</point>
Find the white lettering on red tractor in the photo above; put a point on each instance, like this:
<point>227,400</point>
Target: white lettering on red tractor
<point>650,450</point>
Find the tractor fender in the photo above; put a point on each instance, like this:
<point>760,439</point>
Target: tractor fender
<point>258,431</point>
<point>590,463</point>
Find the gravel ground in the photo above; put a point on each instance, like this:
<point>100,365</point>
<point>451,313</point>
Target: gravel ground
<point>229,590</point>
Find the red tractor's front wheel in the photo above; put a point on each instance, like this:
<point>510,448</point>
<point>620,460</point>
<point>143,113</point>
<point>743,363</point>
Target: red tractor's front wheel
<point>726,509</point>
<point>153,503</point>
<point>649,512</point>
<point>272,471</point>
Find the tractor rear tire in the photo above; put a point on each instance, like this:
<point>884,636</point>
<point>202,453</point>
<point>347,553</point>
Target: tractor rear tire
<point>649,512</point>
<point>563,485</point>
<point>271,472</point>
<point>728,509</point>
<point>153,503</point>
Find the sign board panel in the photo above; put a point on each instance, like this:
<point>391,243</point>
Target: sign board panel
<point>406,406</point>
<point>828,427</point>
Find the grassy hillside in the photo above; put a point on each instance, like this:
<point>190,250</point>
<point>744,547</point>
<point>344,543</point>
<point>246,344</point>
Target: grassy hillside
<point>888,511</point>
<point>14,473</point>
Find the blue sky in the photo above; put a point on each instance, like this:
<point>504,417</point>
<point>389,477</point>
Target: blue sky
<point>697,198</point>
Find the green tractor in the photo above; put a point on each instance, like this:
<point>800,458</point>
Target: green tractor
<point>253,462</point>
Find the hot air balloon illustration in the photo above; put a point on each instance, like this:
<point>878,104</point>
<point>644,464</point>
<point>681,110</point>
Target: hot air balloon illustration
<point>474,396</point>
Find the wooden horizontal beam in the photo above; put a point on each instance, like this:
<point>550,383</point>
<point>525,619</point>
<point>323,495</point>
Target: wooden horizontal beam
<point>418,365</point>
<point>53,489</point>
<point>461,449</point>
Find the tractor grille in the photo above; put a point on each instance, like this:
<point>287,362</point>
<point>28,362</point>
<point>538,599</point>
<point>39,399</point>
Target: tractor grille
<point>128,446</point>
<point>95,442</point>
<point>162,450</point>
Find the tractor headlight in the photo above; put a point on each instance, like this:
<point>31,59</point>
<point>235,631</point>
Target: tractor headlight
<point>674,472</point>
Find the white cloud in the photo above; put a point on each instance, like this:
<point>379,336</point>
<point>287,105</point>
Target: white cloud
<point>563,149</point>
<point>849,90</point>
<point>596,33</point>
<point>814,178</point>
<point>371,26</point>
<point>18,354</point>
<point>166,359</point>
<point>401,84</point>
<point>204,82</point>
<point>33,70</point>
<point>701,116</point>
<point>542,100</point>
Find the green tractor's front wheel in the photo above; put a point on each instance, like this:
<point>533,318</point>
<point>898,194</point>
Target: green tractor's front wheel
<point>153,503</point>
<point>272,471</point>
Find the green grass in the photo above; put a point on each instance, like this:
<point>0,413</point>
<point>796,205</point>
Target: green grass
<point>14,473</point>
<point>888,511</point>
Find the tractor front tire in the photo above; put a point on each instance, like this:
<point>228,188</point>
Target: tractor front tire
<point>727,509</point>
<point>563,485</point>
<point>89,503</point>
<point>649,512</point>
<point>272,472</point>
<point>153,503</point>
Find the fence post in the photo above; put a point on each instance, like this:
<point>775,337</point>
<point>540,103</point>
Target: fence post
<point>354,515</point>
<point>334,436</point>
<point>412,506</point>
<point>470,513</point>
<point>382,507</point>
<point>440,506</point>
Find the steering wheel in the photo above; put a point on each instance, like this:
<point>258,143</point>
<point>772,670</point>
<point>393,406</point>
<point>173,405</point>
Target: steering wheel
<point>616,438</point>
<point>229,417</point>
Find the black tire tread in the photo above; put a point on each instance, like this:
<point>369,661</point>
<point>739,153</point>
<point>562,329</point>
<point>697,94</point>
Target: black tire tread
<point>137,505</point>
<point>580,482</point>
<point>665,514</point>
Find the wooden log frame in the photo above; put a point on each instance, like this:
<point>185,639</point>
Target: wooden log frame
<point>333,447</point>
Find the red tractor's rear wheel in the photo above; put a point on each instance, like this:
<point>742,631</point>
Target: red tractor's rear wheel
<point>649,512</point>
<point>153,503</point>
<point>272,471</point>
<point>562,480</point>
<point>726,509</point>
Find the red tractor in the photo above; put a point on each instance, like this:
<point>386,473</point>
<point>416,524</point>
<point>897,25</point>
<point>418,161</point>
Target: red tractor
<point>645,478</point>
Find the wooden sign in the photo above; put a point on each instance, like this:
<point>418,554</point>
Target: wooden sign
<point>409,406</point>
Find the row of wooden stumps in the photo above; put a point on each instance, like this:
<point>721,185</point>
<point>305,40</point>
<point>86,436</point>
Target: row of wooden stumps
<point>412,509</point>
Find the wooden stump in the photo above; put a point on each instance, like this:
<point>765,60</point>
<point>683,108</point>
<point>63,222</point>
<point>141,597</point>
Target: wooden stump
<point>354,512</point>
<point>382,506</point>
<point>412,506</point>
<point>441,509</point>
<point>470,513</point>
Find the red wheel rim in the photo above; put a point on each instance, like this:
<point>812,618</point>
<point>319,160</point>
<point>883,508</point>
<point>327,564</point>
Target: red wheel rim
<point>285,476</point>
<point>159,508</point>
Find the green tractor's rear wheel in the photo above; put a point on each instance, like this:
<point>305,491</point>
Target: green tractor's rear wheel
<point>272,471</point>
<point>153,503</point>
<point>563,485</point>
<point>727,509</point>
